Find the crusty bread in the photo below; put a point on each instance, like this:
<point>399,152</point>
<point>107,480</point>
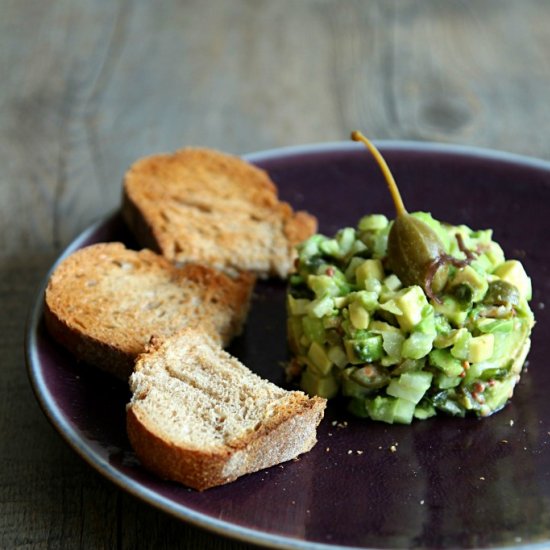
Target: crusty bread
<point>104,302</point>
<point>209,207</point>
<point>200,417</point>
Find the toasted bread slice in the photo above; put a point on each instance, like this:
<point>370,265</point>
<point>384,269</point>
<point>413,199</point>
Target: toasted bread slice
<point>104,302</point>
<point>208,207</point>
<point>200,417</point>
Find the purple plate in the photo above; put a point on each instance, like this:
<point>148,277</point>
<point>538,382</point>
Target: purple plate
<point>443,482</point>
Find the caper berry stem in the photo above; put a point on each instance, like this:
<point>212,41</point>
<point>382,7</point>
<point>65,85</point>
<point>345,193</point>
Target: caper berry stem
<point>394,191</point>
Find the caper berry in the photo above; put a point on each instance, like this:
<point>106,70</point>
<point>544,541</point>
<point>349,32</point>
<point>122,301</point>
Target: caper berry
<point>415,252</point>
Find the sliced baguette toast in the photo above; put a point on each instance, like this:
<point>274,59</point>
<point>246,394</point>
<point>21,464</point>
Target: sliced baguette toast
<point>104,302</point>
<point>200,417</point>
<point>204,206</point>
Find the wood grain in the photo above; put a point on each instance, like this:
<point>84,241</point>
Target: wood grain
<point>89,86</point>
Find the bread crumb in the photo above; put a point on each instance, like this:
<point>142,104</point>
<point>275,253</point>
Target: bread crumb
<point>327,449</point>
<point>393,448</point>
<point>350,451</point>
<point>511,422</point>
<point>422,502</point>
<point>504,441</point>
<point>359,452</point>
<point>482,478</point>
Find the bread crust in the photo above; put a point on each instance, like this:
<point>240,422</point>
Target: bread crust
<point>289,433</point>
<point>74,311</point>
<point>205,206</point>
<point>287,427</point>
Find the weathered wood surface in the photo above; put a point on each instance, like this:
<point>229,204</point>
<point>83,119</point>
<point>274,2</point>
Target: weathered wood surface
<point>88,86</point>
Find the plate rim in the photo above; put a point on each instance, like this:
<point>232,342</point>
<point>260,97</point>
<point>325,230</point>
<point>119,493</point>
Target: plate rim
<point>400,145</point>
<point>198,519</point>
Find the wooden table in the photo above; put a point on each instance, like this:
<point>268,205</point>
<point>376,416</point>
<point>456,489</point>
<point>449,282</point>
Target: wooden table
<point>89,86</point>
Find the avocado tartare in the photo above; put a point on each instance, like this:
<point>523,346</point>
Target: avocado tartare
<point>408,317</point>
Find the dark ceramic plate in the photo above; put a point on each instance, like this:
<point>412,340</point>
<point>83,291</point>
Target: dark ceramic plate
<point>443,482</point>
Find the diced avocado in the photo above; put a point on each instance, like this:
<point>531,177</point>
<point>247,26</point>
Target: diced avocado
<point>444,382</point>
<point>513,272</point>
<point>365,349</point>
<point>417,345</point>
<point>409,365</point>
<point>482,371</point>
<point>323,285</point>
<point>469,276</point>
<point>498,393</point>
<point>390,306</point>
<point>338,356</point>
<point>390,410</point>
<point>310,248</point>
<point>295,332</point>
<point>358,315</point>
<point>442,326</point>
<point>320,307</point>
<point>380,327</point>
<point>345,238</point>
<point>424,410</point>
<point>381,409</point>
<point>392,282</point>
<point>330,247</point>
<point>368,299</point>
<point>340,301</point>
<point>427,323</point>
<point>410,386</point>
<point>446,340</point>
<point>369,269</point>
<point>359,247</point>
<point>403,411</point>
<point>483,264</point>
<point>323,386</point>
<point>444,361</point>
<point>372,222</point>
<point>450,308</point>
<point>318,356</point>
<point>481,348</point>
<point>461,347</point>
<point>313,329</point>
<point>392,342</point>
<point>486,325</point>
<point>390,350</point>
<point>492,257</point>
<point>373,285</point>
<point>379,244</point>
<point>390,360</point>
<point>354,263</point>
<point>411,303</point>
<point>297,306</point>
